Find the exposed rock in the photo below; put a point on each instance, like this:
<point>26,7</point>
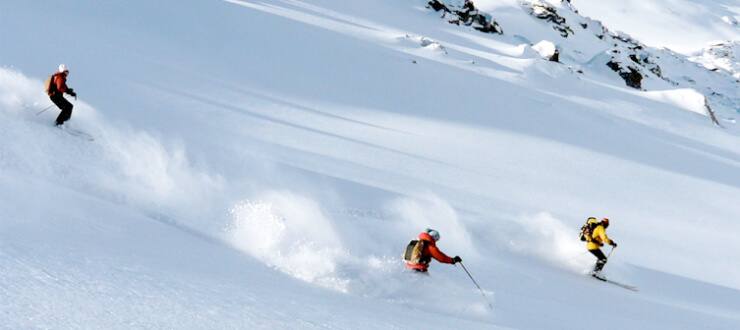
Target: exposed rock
<point>466,14</point>
<point>550,14</point>
<point>633,61</point>
<point>555,56</point>
<point>630,74</point>
<point>437,6</point>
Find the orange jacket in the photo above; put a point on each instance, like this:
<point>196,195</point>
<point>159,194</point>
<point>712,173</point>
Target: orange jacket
<point>60,83</point>
<point>430,251</point>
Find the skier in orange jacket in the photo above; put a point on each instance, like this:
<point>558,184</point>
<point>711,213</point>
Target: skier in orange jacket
<point>56,90</point>
<point>420,255</point>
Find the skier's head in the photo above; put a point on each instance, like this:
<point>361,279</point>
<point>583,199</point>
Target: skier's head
<point>63,68</point>
<point>592,220</point>
<point>433,234</point>
<point>605,222</point>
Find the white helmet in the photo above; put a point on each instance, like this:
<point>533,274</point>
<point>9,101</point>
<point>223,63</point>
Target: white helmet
<point>433,234</point>
<point>63,68</point>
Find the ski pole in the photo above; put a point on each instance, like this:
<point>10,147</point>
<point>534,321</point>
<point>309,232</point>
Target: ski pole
<point>476,284</point>
<point>610,253</point>
<point>47,108</point>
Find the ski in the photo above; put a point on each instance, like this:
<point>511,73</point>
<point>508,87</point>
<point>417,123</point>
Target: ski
<point>628,287</point>
<point>77,133</point>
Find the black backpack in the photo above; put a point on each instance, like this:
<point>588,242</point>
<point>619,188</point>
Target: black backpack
<point>587,230</point>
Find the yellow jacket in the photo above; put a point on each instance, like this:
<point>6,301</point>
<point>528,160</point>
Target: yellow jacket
<point>598,235</point>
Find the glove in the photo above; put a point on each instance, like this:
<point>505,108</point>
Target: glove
<point>456,259</point>
<point>72,92</point>
<point>613,243</point>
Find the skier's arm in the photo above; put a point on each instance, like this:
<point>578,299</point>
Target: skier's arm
<point>605,239</point>
<point>441,257</point>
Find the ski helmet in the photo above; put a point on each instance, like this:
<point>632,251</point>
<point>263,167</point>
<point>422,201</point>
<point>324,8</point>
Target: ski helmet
<point>605,222</point>
<point>433,234</point>
<point>63,68</point>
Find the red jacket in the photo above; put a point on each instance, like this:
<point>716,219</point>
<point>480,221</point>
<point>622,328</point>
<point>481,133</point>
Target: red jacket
<point>430,251</point>
<point>60,83</point>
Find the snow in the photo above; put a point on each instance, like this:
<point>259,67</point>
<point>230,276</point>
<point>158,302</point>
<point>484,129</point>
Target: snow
<point>688,99</point>
<point>685,26</point>
<point>545,48</point>
<point>264,164</point>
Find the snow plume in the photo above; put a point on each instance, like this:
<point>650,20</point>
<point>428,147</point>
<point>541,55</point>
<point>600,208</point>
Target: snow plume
<point>148,170</point>
<point>430,211</point>
<point>291,233</point>
<point>545,237</point>
<point>122,165</point>
<point>17,93</point>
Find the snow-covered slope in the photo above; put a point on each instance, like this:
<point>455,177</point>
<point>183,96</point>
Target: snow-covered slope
<point>264,164</point>
<point>685,26</point>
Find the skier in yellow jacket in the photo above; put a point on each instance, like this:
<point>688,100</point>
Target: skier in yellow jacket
<point>597,239</point>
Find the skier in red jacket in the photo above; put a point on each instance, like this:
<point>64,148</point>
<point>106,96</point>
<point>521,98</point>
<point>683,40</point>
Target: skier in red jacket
<point>57,88</point>
<point>424,249</point>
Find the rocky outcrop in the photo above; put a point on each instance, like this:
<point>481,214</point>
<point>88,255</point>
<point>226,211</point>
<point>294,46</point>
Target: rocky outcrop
<point>548,13</point>
<point>632,61</point>
<point>631,75</point>
<point>465,13</point>
<point>639,66</point>
<point>721,56</point>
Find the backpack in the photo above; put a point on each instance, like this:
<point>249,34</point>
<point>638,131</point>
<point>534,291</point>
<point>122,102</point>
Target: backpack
<point>587,230</point>
<point>414,251</point>
<point>49,85</point>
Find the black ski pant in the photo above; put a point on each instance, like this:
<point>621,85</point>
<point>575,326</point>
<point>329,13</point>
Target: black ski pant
<point>601,259</point>
<point>64,105</point>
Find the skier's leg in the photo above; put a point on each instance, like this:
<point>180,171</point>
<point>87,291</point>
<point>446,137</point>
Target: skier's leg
<point>601,259</point>
<point>65,106</point>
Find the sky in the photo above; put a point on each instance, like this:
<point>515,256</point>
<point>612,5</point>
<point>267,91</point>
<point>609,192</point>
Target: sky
<point>264,164</point>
